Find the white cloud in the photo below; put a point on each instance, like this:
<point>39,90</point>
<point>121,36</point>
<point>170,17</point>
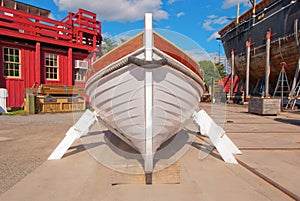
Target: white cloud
<point>221,20</point>
<point>106,35</point>
<point>213,36</point>
<point>211,16</point>
<point>214,20</point>
<point>52,16</point>
<point>230,3</point>
<point>198,54</point>
<point>180,14</point>
<point>116,10</point>
<point>171,1</point>
<point>207,25</point>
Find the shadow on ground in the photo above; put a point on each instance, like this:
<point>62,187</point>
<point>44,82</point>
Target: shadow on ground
<point>288,121</point>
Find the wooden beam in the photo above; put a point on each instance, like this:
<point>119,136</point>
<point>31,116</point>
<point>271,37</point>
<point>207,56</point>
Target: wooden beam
<point>169,175</point>
<point>38,63</point>
<point>267,68</point>
<point>70,67</point>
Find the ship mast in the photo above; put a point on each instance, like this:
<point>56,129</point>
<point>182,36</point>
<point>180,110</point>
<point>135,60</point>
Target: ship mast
<point>253,2</point>
<point>237,20</point>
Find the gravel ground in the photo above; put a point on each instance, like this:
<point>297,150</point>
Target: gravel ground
<point>27,141</point>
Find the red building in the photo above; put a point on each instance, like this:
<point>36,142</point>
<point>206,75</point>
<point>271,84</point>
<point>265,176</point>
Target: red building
<point>35,49</point>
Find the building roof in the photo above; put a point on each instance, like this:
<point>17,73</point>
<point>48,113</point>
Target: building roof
<point>25,8</point>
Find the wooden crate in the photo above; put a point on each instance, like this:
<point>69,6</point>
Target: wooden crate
<point>264,106</point>
<point>61,104</point>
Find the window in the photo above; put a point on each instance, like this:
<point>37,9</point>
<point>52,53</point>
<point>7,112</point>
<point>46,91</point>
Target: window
<point>11,62</point>
<point>51,66</point>
<point>79,75</point>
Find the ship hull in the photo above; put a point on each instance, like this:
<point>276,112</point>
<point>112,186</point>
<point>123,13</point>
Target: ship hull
<point>282,19</point>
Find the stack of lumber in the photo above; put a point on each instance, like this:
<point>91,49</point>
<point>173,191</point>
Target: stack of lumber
<point>61,90</point>
<point>60,98</point>
<point>61,104</point>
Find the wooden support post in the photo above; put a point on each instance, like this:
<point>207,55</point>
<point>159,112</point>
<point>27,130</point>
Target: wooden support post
<point>79,129</point>
<point>248,44</point>
<point>70,67</point>
<point>80,37</point>
<point>267,68</point>
<point>217,136</point>
<point>37,63</point>
<point>169,175</point>
<point>232,74</point>
<point>94,41</point>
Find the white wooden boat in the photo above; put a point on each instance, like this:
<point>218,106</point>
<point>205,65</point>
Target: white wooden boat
<point>145,90</point>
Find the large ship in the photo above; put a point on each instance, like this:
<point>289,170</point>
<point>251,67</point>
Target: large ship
<point>270,30</point>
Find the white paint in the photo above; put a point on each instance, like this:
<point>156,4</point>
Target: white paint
<point>217,135</point>
<point>148,37</point>
<point>148,124</point>
<point>148,43</point>
<point>3,96</point>
<point>79,129</point>
<point>247,68</point>
<point>267,67</point>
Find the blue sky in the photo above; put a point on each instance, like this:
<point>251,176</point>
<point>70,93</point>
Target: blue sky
<point>198,20</point>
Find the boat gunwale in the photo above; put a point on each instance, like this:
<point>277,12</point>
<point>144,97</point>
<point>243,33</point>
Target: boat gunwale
<point>121,63</point>
<point>136,43</point>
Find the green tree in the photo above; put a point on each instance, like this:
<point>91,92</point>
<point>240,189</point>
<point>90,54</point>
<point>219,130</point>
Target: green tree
<point>221,69</point>
<point>108,45</point>
<point>212,71</point>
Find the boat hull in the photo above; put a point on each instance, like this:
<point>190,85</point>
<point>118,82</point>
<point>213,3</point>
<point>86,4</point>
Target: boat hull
<point>120,101</point>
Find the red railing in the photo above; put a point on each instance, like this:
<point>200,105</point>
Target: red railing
<point>80,30</point>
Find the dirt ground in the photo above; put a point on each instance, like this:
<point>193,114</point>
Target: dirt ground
<point>26,142</point>
<point>270,146</point>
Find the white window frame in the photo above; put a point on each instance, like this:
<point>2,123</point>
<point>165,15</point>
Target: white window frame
<point>12,63</point>
<point>51,66</point>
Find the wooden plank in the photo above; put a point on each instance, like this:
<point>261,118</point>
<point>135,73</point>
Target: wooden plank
<point>169,175</point>
<point>61,90</point>
<point>176,53</point>
<point>121,51</point>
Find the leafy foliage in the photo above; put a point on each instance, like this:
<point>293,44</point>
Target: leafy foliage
<point>212,71</point>
<point>108,45</point>
<point>221,69</point>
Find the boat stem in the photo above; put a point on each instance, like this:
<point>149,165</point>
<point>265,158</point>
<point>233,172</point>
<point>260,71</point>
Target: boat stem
<point>148,42</point>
